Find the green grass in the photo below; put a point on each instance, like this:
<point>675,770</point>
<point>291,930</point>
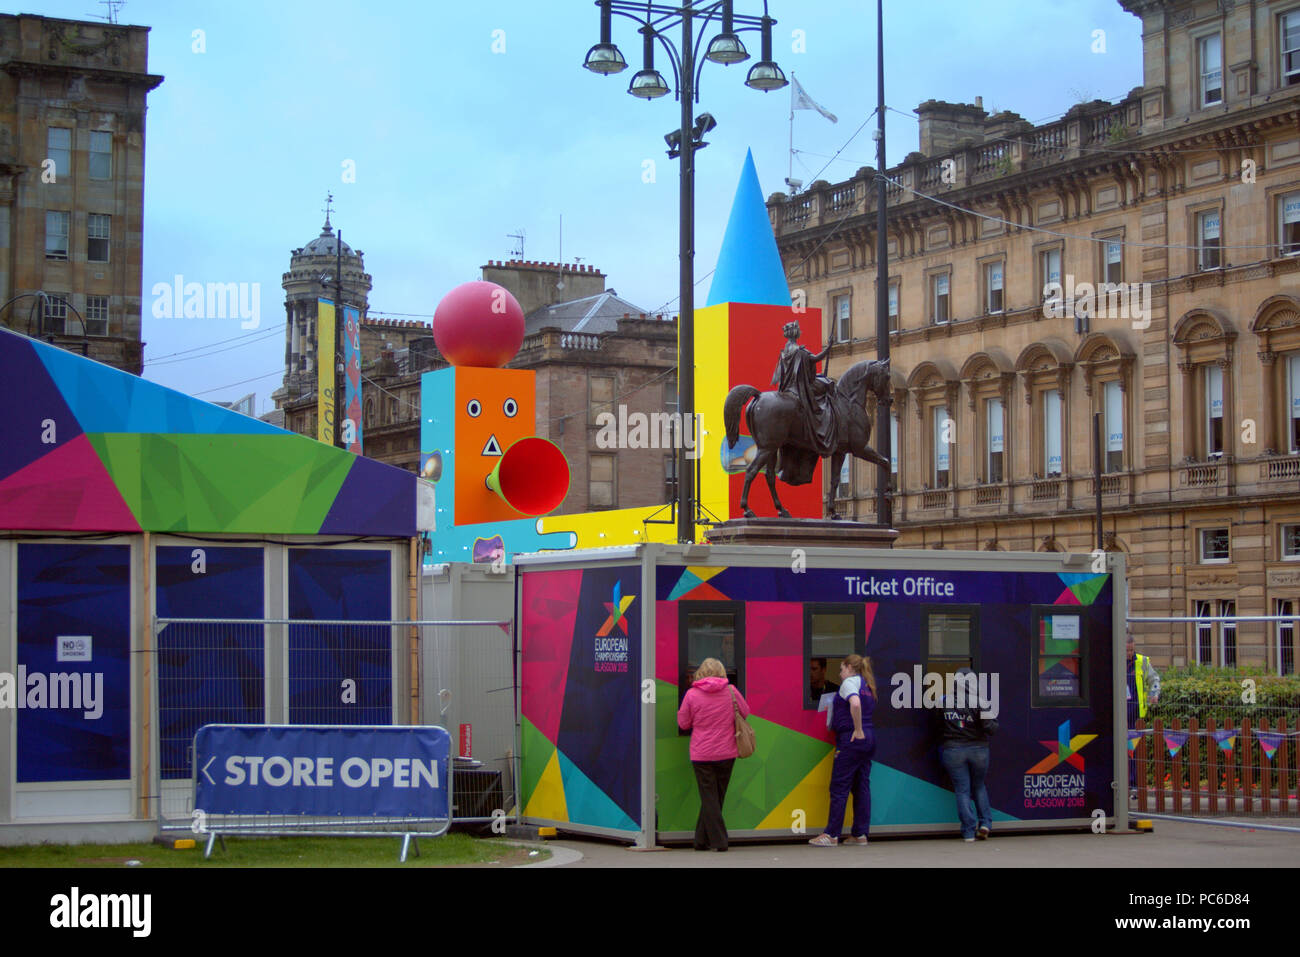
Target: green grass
<point>450,850</point>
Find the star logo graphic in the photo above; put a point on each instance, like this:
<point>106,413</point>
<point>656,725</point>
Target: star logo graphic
<point>1064,750</point>
<point>616,609</point>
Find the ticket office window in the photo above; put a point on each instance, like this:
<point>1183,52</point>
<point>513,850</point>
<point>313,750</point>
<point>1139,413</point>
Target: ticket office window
<point>831,632</point>
<point>1060,657</point>
<point>952,638</point>
<point>710,629</point>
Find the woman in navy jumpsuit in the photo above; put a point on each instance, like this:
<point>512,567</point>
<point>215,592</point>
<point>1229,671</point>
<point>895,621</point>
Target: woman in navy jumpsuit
<point>855,746</point>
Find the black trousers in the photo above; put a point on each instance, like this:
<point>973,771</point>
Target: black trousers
<point>712,778</point>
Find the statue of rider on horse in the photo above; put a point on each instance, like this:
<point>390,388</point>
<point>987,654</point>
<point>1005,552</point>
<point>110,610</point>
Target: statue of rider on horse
<point>809,417</point>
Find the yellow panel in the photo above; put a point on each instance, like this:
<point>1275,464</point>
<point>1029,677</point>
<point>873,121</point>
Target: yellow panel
<point>547,801</point>
<point>812,795</point>
<point>622,526</point>
<point>712,383</point>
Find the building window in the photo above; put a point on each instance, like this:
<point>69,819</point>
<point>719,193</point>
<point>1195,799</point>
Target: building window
<point>1215,548</point>
<point>1113,261</point>
<point>97,315</point>
<point>1293,402</point>
<point>1204,634</point>
<point>600,397</point>
<point>601,491</point>
<point>54,315</point>
<point>844,488</point>
<point>1291,543</point>
<point>843,323</point>
<point>1290,35</point>
<point>1113,397</point>
<point>942,436</point>
<point>1288,224</point>
<point>993,469</point>
<point>1211,57</point>
<point>1227,635</point>
<point>831,633</point>
<point>893,307</point>
<point>56,234</point>
<point>1213,411</point>
<point>939,298</point>
<point>1208,240</point>
<point>993,287</point>
<point>1286,638</point>
<point>101,154</point>
<point>893,449</point>
<point>1052,458</point>
<point>58,147</point>
<point>98,229</point>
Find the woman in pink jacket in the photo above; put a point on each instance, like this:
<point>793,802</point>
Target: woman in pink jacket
<point>707,712</point>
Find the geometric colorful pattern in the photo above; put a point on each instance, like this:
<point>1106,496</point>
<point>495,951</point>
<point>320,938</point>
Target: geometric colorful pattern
<point>1269,741</point>
<point>1174,741</point>
<point>92,448</point>
<point>690,582</point>
<point>1227,739</point>
<point>1081,588</point>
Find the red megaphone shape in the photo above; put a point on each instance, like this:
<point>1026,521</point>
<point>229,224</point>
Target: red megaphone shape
<point>532,477</point>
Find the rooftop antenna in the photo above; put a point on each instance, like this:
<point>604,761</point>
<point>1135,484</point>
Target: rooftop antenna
<point>329,201</point>
<point>517,253</point>
<point>113,7</point>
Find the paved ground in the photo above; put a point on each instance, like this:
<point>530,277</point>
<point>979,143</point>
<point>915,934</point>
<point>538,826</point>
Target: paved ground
<point>1172,844</point>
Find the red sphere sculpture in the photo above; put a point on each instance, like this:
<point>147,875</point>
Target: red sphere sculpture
<point>478,324</point>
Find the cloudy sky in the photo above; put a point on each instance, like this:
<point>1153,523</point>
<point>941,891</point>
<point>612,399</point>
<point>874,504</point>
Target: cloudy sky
<point>468,122</point>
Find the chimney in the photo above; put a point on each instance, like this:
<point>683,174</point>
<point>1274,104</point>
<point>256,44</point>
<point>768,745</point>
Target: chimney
<point>947,126</point>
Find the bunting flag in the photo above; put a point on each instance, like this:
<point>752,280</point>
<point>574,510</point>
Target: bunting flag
<point>1268,742</point>
<point>1174,741</point>
<point>1227,739</point>
<point>1133,738</point>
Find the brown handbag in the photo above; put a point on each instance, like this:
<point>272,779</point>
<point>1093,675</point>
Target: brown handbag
<point>744,733</point>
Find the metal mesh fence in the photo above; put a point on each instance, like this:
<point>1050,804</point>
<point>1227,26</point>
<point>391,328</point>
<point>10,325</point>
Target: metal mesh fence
<point>278,671</point>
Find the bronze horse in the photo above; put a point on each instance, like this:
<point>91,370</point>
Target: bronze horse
<point>779,431</point>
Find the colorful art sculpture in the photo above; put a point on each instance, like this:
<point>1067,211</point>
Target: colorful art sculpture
<point>740,329</point>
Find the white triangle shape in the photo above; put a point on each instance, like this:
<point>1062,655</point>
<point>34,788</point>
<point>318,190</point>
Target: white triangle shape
<point>492,447</point>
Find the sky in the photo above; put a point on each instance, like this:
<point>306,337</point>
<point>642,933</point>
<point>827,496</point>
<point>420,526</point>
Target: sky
<point>461,124</point>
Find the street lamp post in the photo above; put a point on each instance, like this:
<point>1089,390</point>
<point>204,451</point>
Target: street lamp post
<point>726,48</point>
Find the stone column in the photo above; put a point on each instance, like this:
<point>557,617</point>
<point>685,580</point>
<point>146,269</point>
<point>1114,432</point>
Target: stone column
<point>1267,437</point>
<point>1188,369</point>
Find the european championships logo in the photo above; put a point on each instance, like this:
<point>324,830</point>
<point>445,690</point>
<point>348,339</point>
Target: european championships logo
<point>1068,788</point>
<point>611,652</point>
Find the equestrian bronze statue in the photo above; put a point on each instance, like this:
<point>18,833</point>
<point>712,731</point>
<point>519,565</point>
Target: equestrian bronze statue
<point>809,417</point>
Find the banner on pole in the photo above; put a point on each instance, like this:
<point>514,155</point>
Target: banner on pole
<point>352,379</point>
<point>325,371</point>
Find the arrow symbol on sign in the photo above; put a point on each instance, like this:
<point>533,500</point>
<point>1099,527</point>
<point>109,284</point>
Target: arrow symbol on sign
<point>204,769</point>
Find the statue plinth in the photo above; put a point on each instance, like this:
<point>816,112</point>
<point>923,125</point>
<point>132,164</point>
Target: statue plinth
<point>801,532</point>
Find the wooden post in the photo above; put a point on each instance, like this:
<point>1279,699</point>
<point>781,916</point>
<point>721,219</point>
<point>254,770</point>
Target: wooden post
<point>1212,765</point>
<point>1176,777</point>
<point>1140,766</point>
<point>1265,776</point>
<point>1230,778</point>
<point>1158,744</point>
<point>1247,778</point>
<point>1194,761</point>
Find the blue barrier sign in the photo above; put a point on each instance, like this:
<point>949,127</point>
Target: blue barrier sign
<point>323,771</point>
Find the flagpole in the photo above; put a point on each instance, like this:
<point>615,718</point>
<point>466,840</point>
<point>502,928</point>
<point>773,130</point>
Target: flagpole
<point>790,166</point>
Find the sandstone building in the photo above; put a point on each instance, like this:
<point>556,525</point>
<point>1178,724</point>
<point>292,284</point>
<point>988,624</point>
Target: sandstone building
<point>72,130</point>
<point>1184,197</point>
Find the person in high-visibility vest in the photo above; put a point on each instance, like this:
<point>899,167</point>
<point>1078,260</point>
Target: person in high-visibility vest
<point>1143,691</point>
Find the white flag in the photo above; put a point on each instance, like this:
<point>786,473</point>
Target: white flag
<point>800,100</point>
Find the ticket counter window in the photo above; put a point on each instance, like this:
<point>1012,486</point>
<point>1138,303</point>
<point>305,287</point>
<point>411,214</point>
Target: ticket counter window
<point>831,634</point>
<point>710,630</point>
<point>952,639</point>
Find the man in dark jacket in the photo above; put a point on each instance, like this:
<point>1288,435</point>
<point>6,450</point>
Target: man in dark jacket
<point>965,755</point>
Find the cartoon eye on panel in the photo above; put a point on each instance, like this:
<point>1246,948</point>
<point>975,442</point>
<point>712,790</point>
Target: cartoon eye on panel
<point>511,408</point>
<point>474,408</point>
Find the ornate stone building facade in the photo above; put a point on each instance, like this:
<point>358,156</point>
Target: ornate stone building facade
<point>1137,260</point>
<point>72,125</point>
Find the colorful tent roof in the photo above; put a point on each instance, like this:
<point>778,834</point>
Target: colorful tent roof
<point>86,447</point>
